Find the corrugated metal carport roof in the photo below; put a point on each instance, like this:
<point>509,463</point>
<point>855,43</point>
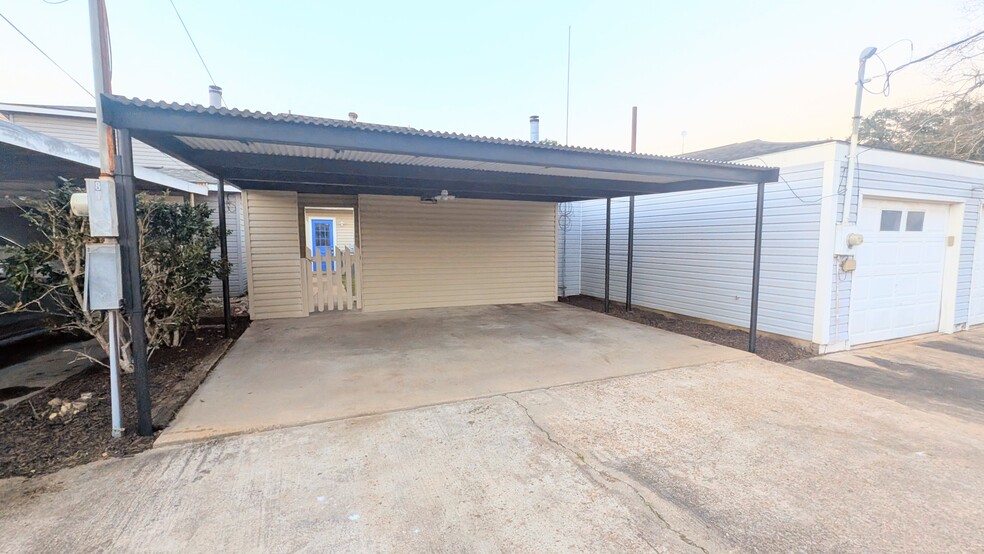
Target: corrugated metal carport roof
<point>308,154</point>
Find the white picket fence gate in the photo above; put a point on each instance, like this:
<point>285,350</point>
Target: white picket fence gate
<point>333,280</point>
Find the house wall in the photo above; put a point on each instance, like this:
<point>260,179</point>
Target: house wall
<point>569,249</point>
<point>273,263</point>
<point>329,205</point>
<point>344,225</point>
<point>81,131</point>
<point>693,252</point>
<point>458,253</point>
<point>236,241</point>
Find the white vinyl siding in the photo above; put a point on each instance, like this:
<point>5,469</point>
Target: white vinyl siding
<point>882,177</point>
<point>81,131</point>
<point>235,240</point>
<point>693,252</point>
<point>273,263</point>
<point>569,249</point>
<point>457,253</point>
<point>976,312</point>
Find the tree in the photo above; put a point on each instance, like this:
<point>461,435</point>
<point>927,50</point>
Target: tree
<point>176,241</point>
<point>949,131</point>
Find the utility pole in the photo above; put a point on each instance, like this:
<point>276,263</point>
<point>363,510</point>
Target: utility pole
<point>102,81</point>
<point>128,268</point>
<point>852,157</point>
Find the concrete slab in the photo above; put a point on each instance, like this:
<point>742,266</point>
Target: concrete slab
<point>940,373</point>
<point>735,456</point>
<point>338,365</point>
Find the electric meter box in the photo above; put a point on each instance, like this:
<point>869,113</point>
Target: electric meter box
<point>101,204</point>
<point>103,278</point>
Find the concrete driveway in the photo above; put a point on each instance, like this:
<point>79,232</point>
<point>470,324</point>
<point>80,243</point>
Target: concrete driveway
<point>939,373</point>
<point>741,455</point>
<point>338,365</point>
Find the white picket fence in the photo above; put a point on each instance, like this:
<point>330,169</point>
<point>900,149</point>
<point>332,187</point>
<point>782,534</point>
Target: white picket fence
<point>333,280</point>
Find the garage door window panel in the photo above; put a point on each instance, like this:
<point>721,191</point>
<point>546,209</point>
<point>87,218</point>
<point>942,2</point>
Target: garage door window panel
<point>891,220</point>
<point>914,221</point>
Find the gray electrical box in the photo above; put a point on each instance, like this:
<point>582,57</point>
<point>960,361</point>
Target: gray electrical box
<point>103,278</point>
<point>101,200</point>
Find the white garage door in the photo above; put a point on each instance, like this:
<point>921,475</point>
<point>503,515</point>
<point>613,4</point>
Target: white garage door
<point>977,282</point>
<point>899,279</point>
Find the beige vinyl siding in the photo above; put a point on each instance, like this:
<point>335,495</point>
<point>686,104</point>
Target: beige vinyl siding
<point>272,243</point>
<point>457,253</point>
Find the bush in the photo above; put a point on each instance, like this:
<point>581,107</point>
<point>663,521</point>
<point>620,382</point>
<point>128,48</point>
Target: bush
<point>176,266</point>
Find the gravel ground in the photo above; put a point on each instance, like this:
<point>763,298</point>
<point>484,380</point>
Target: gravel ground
<point>771,349</point>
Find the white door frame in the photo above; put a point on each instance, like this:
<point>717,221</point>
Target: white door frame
<point>307,229</point>
<point>951,260</point>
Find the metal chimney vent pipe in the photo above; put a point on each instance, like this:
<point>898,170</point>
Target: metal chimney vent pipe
<point>214,96</point>
<point>534,128</point>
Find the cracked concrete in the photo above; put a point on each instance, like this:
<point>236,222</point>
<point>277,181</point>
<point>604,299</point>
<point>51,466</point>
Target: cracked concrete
<point>743,455</point>
<point>604,476</point>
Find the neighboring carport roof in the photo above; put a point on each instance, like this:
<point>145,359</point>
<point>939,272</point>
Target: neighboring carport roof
<point>30,157</point>
<point>306,154</point>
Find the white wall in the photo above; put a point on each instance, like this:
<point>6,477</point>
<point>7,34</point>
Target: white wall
<point>917,177</point>
<point>694,249</point>
<point>693,252</point>
<point>235,241</point>
<point>569,249</point>
<point>81,131</point>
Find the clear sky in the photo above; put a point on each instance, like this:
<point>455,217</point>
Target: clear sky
<point>723,71</point>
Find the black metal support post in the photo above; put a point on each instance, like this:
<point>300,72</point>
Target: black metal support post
<point>224,255</point>
<point>756,268</point>
<point>628,253</point>
<point>608,253</point>
<point>132,294</point>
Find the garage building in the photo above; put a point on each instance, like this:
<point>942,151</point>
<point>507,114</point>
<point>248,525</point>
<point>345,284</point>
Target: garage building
<point>919,270</point>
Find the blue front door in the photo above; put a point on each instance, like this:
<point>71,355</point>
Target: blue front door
<point>322,239</point>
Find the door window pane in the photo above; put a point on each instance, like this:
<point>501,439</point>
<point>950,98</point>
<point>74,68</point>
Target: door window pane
<point>914,221</point>
<point>891,220</point>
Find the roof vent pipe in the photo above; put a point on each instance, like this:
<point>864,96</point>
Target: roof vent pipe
<point>534,128</point>
<point>214,96</point>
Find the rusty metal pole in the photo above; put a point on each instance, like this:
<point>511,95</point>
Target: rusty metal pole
<point>103,83</point>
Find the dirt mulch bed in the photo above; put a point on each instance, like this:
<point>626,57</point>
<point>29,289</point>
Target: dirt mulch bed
<point>772,349</point>
<point>32,445</point>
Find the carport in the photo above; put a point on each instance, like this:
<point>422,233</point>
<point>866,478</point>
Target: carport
<point>282,156</point>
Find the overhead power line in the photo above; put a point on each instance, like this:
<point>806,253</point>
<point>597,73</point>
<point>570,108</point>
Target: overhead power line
<point>889,73</point>
<point>50,59</point>
<point>195,46</point>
